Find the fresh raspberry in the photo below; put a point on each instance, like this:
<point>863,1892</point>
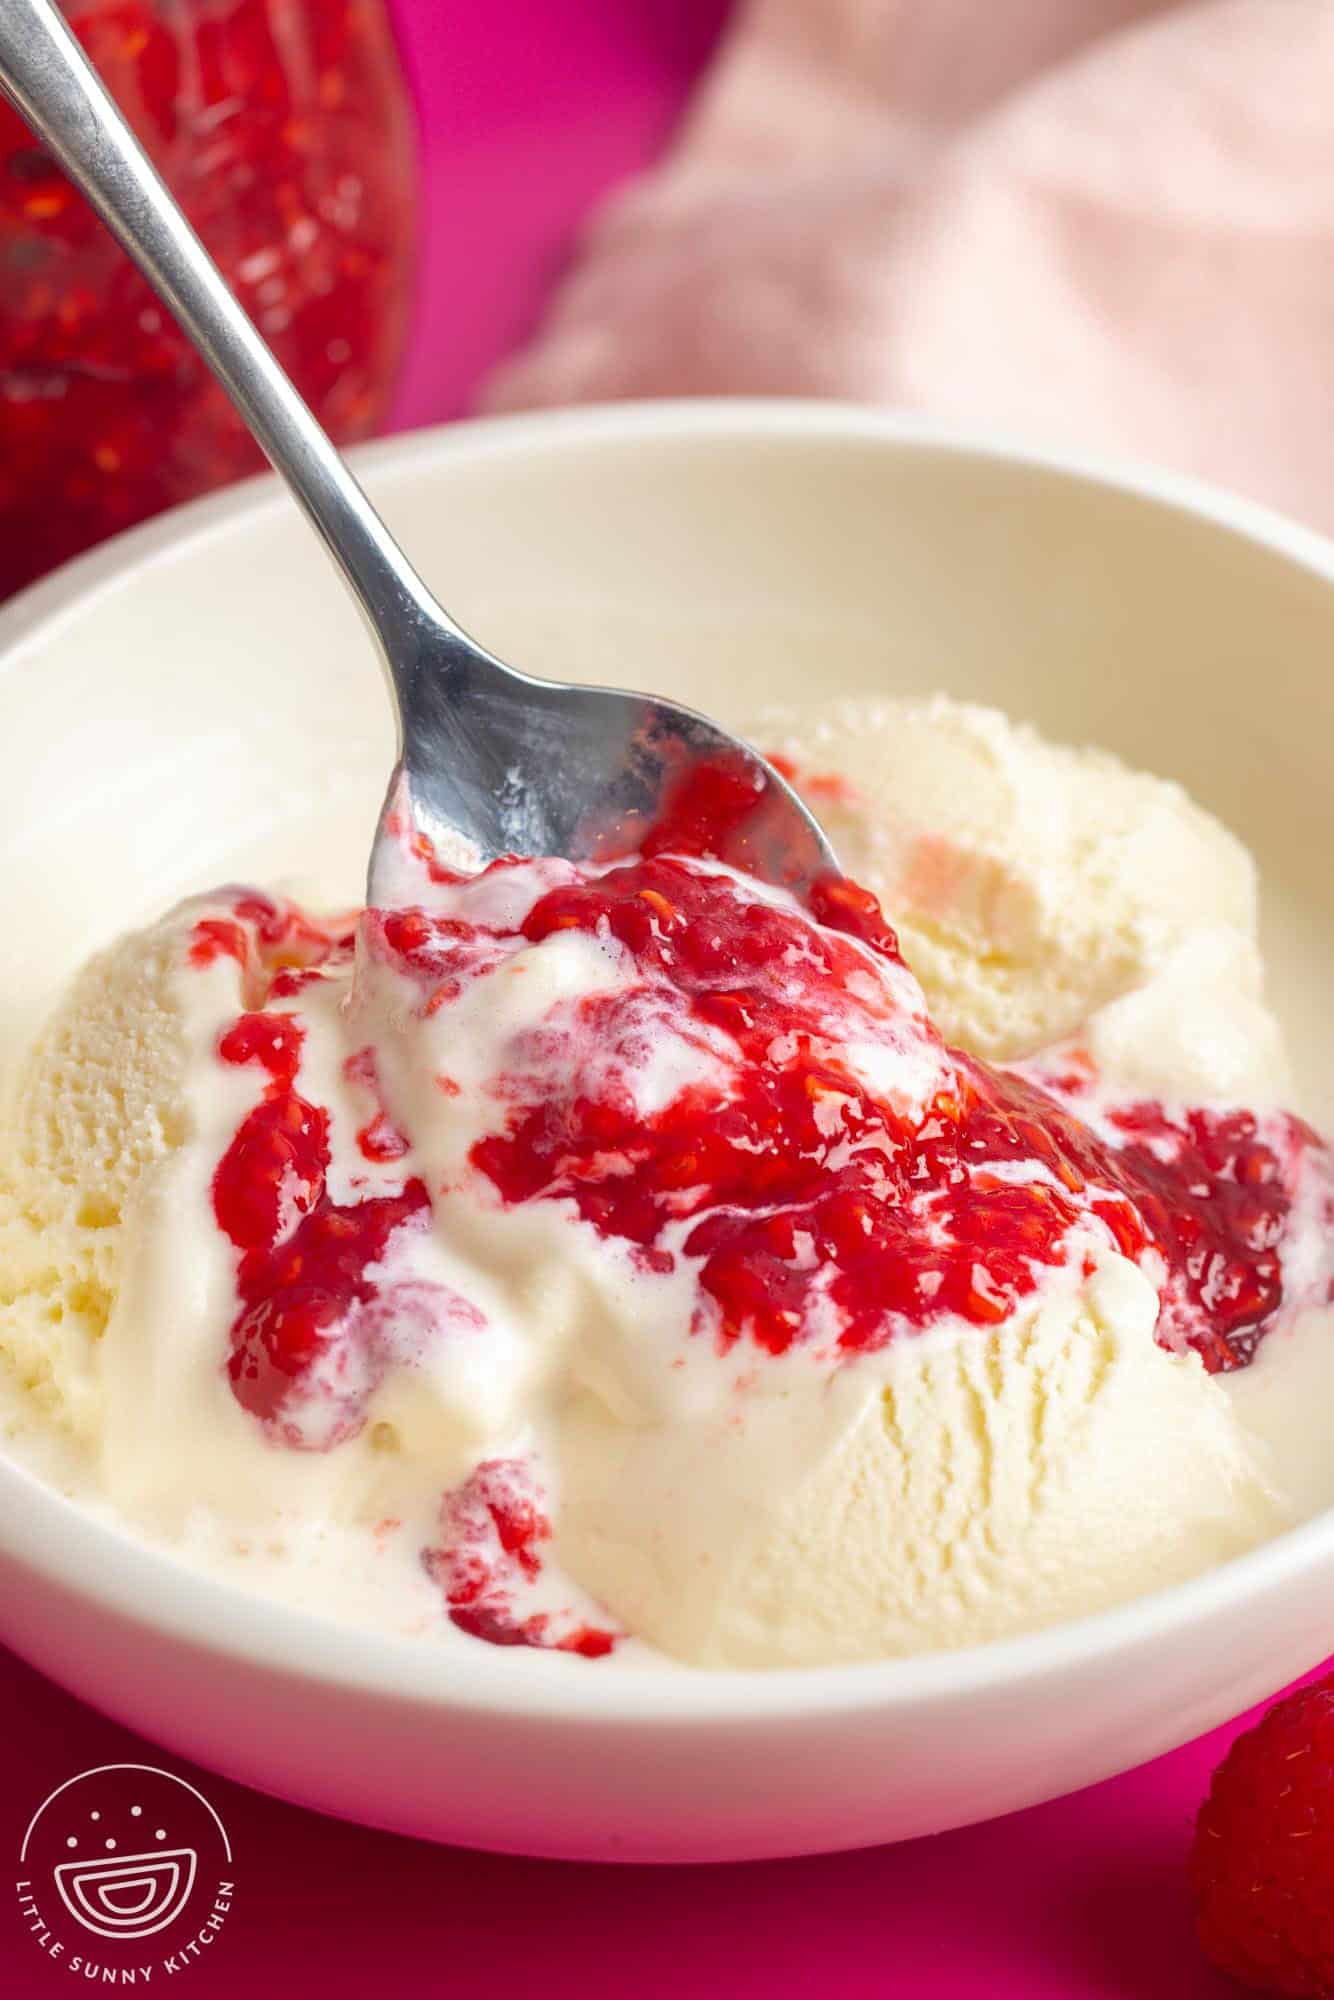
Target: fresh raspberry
<point>1262,1863</point>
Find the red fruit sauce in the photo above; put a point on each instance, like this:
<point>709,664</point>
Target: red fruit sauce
<point>1214,1189</point>
<point>283,128</point>
<point>304,1258</point>
<point>720,809</point>
<point>786,1178</point>
<point>709,811</point>
<point>379,1139</point>
<point>493,1528</point>
<point>302,1272</point>
<point>801,1174</point>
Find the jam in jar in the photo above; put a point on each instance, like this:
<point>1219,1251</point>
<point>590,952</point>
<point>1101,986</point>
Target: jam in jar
<point>283,128</point>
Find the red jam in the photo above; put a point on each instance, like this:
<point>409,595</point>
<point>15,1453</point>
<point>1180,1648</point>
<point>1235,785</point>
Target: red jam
<point>279,949</point>
<point>816,1206</point>
<point>305,1259</point>
<point>379,1139</point>
<point>709,811</point>
<point>717,809</point>
<point>802,1177</point>
<point>283,129</point>
<point>314,1328</point>
<point>493,1529</point>
<point>1215,1191</point>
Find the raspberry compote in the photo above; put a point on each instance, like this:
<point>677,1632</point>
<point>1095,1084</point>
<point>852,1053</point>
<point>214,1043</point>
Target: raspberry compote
<point>283,128</point>
<point>727,1095</point>
<point>494,1530</point>
<point>815,1202</point>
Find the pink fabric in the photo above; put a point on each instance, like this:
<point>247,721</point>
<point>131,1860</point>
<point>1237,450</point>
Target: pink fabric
<point>1108,222</point>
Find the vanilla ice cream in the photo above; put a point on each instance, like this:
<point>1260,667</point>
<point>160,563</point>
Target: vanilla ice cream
<point>1032,885</point>
<point>609,1258</point>
<point>101,1105</point>
<point>959,1489</point>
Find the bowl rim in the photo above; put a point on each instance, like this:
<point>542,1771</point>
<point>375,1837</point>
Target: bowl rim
<point>58,1540</point>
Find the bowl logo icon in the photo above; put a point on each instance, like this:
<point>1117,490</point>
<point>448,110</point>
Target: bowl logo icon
<point>130,1898</point>
<point>124,1867</point>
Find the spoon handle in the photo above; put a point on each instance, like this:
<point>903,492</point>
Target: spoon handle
<point>53,86</point>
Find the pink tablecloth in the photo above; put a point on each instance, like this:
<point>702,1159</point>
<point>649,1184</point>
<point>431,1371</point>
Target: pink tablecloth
<point>528,112</point>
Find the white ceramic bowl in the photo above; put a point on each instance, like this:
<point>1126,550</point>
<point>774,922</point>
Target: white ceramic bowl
<point>205,673</point>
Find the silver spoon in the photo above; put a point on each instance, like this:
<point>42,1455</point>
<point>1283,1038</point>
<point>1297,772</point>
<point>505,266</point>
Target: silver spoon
<point>491,761</point>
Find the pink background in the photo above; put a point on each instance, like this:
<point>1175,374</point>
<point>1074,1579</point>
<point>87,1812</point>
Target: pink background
<point>527,113</point>
<point>528,110</point>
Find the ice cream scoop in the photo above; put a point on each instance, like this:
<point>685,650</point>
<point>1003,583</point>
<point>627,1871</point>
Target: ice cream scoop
<point>1042,891</point>
<point>616,1254</point>
<point>491,761</point>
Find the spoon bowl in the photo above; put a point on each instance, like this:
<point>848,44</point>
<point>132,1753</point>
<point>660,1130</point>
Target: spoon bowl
<point>496,762</point>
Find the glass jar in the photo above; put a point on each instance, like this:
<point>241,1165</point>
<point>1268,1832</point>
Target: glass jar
<point>283,128</point>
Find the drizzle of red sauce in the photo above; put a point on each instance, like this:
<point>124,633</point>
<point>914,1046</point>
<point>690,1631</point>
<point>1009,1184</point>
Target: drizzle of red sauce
<point>493,1530</point>
<point>379,1139</point>
<point>299,1299</point>
<point>442,950</point>
<point>1215,1189</point>
<point>708,810</point>
<point>842,905</point>
<point>719,809</point>
<point>305,1259</point>
<point>271,1040</point>
<point>801,1176</point>
<point>278,947</point>
<point>218,937</point>
<point>273,1170</point>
